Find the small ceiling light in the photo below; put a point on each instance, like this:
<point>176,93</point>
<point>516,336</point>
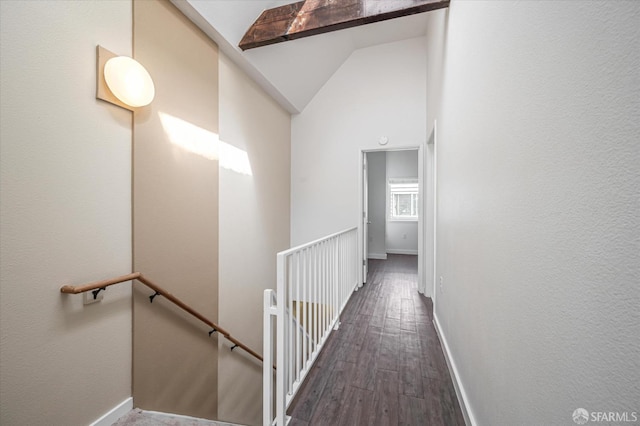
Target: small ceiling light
<point>122,81</point>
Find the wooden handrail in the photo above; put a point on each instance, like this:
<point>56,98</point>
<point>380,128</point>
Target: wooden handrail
<point>99,284</point>
<point>69,289</point>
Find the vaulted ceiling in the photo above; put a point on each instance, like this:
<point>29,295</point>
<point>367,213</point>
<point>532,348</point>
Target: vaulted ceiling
<point>291,72</point>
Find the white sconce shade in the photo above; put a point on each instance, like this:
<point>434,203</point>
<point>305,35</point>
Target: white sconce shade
<point>129,81</point>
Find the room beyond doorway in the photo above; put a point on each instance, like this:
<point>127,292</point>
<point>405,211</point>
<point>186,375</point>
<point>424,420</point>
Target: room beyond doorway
<point>392,185</point>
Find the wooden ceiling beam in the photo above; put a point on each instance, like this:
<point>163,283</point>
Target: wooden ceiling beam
<point>311,17</point>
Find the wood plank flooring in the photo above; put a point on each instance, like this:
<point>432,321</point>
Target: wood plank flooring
<point>385,365</point>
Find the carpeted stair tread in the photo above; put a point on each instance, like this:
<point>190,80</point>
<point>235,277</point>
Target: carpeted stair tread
<point>137,417</point>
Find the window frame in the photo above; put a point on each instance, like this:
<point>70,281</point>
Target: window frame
<point>413,190</point>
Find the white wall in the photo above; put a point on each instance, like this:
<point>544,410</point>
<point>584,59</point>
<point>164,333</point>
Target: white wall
<point>538,226</point>
<point>377,91</point>
<point>254,226</point>
<point>65,204</point>
<point>377,204</point>
<point>401,236</point>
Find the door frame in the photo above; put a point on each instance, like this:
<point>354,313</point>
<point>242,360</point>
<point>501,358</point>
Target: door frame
<point>431,215</point>
<point>422,285</point>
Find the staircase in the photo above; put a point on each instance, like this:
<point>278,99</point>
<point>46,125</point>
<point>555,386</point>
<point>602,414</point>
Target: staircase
<point>137,417</point>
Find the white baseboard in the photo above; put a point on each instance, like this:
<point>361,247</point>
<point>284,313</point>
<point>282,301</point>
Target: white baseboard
<point>380,256</point>
<point>402,251</point>
<point>115,413</point>
<point>469,418</point>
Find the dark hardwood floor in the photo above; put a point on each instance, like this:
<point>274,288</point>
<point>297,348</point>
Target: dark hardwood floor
<point>385,365</point>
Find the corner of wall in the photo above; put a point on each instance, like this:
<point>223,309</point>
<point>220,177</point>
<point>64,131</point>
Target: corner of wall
<point>111,416</point>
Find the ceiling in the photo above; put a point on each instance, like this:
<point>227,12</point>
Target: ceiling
<point>294,71</point>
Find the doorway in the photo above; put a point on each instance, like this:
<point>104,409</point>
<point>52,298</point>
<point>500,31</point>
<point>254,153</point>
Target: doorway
<point>392,200</point>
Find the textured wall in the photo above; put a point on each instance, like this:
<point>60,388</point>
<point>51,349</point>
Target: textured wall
<point>538,200</point>
<point>377,91</point>
<point>175,214</point>
<point>254,226</point>
<point>65,209</point>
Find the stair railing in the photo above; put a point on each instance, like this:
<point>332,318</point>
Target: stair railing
<point>98,286</point>
<point>314,284</point>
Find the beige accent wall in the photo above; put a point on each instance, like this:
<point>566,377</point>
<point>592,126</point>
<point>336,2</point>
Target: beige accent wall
<point>65,214</point>
<point>175,214</point>
<point>254,226</point>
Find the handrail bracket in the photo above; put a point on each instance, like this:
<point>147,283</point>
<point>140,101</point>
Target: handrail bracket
<point>96,292</point>
<point>157,293</point>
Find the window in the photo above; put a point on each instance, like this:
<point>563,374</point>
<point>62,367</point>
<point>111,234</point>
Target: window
<point>403,199</point>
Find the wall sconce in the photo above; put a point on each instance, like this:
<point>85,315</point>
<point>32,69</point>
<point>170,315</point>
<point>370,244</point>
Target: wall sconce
<point>122,81</point>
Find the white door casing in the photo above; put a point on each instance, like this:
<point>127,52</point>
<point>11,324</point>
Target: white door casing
<point>365,218</point>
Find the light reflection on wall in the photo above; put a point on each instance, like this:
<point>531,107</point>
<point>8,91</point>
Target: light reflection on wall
<point>205,143</point>
<point>233,158</point>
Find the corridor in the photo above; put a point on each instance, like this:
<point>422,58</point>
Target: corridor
<point>384,366</point>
